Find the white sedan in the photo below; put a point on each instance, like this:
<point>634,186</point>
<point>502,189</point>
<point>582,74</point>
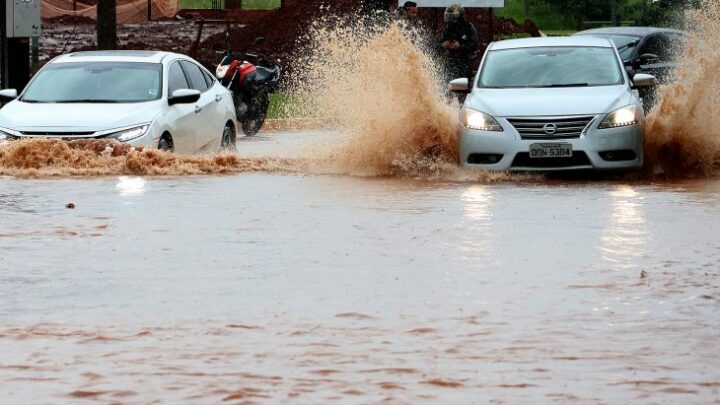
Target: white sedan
<point>145,98</point>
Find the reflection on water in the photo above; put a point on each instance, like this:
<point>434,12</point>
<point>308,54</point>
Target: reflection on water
<point>625,236</point>
<point>477,203</point>
<point>128,186</point>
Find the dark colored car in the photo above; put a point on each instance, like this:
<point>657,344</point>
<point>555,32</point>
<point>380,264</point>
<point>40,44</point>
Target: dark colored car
<point>645,50</point>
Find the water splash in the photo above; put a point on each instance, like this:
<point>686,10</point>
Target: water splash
<point>381,89</point>
<point>683,131</point>
<point>54,157</point>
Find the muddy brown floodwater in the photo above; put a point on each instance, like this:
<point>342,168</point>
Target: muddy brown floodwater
<point>311,288</point>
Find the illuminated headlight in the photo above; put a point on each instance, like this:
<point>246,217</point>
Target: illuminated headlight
<point>221,71</point>
<point>7,134</point>
<point>130,133</point>
<point>479,120</point>
<point>622,117</point>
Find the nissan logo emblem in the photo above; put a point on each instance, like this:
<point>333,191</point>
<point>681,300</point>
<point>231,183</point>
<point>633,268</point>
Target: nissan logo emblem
<point>550,128</point>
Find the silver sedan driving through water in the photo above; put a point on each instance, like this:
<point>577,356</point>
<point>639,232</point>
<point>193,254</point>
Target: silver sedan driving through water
<point>552,104</point>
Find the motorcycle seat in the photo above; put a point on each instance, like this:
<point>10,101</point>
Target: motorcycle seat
<point>263,74</point>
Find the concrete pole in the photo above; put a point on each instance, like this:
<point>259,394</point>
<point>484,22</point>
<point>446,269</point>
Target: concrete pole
<point>106,25</point>
<point>3,48</point>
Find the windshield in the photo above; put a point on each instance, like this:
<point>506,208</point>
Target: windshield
<point>550,67</point>
<point>625,44</point>
<point>96,82</point>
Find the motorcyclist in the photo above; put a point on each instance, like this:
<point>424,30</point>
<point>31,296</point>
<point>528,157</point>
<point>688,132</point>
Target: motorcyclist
<point>460,41</point>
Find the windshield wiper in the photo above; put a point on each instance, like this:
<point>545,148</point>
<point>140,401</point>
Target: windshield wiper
<point>628,45</point>
<point>88,101</point>
<point>567,85</point>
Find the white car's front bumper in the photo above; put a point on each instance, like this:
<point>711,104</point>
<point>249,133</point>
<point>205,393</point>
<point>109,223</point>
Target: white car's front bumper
<point>605,149</point>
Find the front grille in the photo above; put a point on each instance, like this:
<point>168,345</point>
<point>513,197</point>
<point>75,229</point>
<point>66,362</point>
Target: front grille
<point>570,127</point>
<point>57,134</point>
<point>577,159</point>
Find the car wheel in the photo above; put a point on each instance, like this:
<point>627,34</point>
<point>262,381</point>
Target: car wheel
<point>227,141</point>
<point>166,143</point>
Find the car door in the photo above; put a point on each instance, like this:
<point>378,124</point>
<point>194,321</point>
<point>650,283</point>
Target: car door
<point>182,117</point>
<point>209,130</point>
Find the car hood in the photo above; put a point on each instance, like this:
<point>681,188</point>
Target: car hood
<point>75,117</point>
<point>549,101</point>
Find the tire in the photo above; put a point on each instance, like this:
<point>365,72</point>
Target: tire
<point>227,142</point>
<point>257,112</point>
<point>166,143</point>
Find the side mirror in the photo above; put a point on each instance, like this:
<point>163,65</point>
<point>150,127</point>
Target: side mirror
<point>8,95</point>
<point>648,59</point>
<point>644,80</point>
<point>259,41</point>
<point>184,96</point>
<point>460,85</point>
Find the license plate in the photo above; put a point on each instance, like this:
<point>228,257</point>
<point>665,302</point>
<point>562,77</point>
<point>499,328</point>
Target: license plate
<point>551,150</point>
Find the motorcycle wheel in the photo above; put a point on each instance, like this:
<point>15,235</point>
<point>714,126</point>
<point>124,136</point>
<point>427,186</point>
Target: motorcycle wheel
<point>256,114</point>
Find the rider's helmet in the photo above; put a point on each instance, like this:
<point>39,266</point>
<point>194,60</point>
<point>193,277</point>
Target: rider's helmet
<point>454,13</point>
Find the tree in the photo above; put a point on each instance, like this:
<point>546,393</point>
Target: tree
<point>666,12</point>
<point>106,25</point>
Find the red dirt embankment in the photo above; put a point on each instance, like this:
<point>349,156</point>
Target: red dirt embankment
<point>284,27</point>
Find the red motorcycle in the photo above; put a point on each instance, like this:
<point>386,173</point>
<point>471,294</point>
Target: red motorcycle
<point>251,85</point>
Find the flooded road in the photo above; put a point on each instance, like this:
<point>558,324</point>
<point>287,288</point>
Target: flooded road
<point>299,288</point>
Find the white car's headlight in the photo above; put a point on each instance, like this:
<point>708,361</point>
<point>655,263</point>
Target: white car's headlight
<point>622,117</point>
<point>7,134</point>
<point>221,71</point>
<point>130,133</point>
<point>479,120</point>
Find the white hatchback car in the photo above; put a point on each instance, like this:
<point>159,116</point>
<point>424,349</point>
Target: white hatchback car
<point>560,103</point>
<point>145,98</point>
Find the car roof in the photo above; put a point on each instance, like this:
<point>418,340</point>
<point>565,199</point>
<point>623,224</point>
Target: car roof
<point>551,41</point>
<point>116,56</point>
<point>636,31</point>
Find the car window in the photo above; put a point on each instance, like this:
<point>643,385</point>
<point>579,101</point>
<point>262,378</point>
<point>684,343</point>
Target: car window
<point>550,67</point>
<point>625,44</point>
<point>119,82</point>
<point>665,46</point>
<point>208,78</point>
<point>195,75</point>
<point>653,45</point>
<point>176,78</point>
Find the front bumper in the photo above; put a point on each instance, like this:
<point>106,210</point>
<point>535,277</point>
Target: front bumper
<point>602,149</point>
<point>148,140</point>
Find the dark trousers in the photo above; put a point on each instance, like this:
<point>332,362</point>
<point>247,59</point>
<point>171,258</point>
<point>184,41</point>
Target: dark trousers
<point>459,68</point>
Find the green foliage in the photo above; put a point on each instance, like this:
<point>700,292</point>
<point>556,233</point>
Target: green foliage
<point>571,15</point>
<point>666,12</point>
<point>196,3</point>
<point>286,106</point>
<point>260,4</point>
<point>542,12</point>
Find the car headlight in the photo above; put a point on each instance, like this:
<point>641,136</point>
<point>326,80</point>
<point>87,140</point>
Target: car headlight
<point>130,133</point>
<point>479,120</point>
<point>221,71</point>
<point>7,134</point>
<point>622,117</point>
